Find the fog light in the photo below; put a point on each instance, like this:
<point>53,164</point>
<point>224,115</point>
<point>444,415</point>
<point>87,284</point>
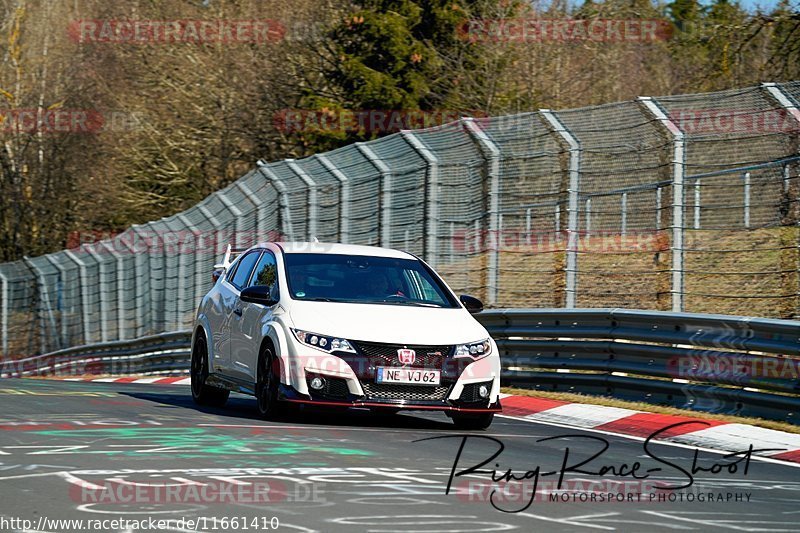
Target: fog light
<point>483,391</point>
<point>317,383</point>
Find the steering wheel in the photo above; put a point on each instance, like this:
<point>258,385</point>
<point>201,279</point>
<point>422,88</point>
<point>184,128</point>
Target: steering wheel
<point>396,297</point>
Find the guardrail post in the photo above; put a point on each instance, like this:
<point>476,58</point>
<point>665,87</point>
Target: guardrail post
<point>678,169</point>
<point>313,204</point>
<point>491,153</point>
<point>84,294</point>
<point>283,200</point>
<point>4,295</point>
<point>431,252</point>
<point>344,197</point>
<point>385,220</point>
<point>572,206</point>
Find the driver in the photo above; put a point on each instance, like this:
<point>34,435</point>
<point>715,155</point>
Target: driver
<point>377,285</point>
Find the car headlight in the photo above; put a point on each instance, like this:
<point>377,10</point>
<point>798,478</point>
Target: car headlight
<point>323,342</point>
<point>475,350</point>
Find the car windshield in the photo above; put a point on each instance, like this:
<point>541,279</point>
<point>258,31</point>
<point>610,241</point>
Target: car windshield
<point>364,279</point>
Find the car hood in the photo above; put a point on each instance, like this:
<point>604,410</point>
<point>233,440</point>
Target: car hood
<point>394,324</point>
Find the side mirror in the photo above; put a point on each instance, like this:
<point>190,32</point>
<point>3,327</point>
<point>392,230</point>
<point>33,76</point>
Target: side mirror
<point>216,274</point>
<point>472,304</point>
<point>257,294</point>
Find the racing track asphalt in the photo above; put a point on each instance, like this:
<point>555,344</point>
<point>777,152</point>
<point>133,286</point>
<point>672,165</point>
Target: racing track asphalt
<point>71,450</point>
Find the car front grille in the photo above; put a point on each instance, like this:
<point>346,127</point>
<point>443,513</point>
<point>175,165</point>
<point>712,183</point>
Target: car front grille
<point>383,391</point>
<point>386,354</point>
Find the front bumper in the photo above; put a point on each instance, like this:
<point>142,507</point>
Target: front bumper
<point>350,380</point>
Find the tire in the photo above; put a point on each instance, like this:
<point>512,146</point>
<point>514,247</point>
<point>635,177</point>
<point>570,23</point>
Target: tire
<point>472,421</point>
<point>269,407</point>
<point>203,394</point>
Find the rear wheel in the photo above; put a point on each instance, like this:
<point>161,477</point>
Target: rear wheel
<point>267,385</point>
<point>203,394</point>
<point>473,421</point>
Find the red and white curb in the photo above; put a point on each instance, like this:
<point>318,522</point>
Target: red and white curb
<point>157,381</point>
<point>709,434</point>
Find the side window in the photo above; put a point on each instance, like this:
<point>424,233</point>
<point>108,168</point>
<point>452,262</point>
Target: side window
<point>266,274</point>
<point>244,267</point>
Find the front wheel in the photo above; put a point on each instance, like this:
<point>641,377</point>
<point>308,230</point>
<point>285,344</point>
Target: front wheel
<point>203,394</point>
<point>267,386</point>
<point>473,421</point>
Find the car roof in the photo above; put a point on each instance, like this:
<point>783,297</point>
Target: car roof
<point>340,249</point>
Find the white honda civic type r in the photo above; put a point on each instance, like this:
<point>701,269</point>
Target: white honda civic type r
<point>342,325</point>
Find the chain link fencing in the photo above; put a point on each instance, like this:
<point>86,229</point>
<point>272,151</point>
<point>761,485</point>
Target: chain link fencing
<point>682,203</point>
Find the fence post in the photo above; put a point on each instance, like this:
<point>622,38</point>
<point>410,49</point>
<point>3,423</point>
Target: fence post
<point>658,208</point>
<point>313,204</point>
<point>790,254</point>
<point>257,204</point>
<point>697,203</point>
<point>283,200</point>
<point>624,207</point>
<point>588,215</point>
<point>120,289</point>
<point>432,188</point>
<point>491,153</point>
<point>64,340</point>
<point>199,265</point>
<point>44,300</point>
<point>236,216</point>
<point>572,206</point>
<point>84,294</point>
<point>747,200</point>
<point>386,193</point>
<point>678,163</point>
<point>344,197</point>
<point>4,295</point>
<point>101,265</point>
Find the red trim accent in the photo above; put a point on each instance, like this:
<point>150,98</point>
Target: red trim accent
<point>644,424</point>
<point>398,406</point>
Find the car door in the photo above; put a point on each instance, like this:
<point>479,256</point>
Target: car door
<point>232,284</point>
<point>246,328</point>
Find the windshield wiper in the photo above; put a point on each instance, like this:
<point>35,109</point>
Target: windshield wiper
<point>405,302</point>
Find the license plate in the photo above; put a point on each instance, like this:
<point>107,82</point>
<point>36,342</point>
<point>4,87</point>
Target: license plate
<point>408,376</point>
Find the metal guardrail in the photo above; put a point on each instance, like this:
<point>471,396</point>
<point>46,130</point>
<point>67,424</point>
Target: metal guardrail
<point>726,364</point>
<point>718,363</point>
<point>166,353</point>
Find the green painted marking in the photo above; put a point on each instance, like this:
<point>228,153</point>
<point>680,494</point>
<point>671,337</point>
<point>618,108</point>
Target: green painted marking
<point>195,442</point>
